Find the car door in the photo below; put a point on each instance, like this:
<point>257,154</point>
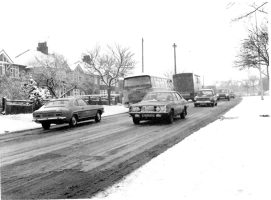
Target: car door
<point>84,108</point>
<point>177,104</point>
<point>78,109</point>
<point>181,102</point>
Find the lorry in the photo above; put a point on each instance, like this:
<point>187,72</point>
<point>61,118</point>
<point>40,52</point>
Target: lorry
<point>187,84</point>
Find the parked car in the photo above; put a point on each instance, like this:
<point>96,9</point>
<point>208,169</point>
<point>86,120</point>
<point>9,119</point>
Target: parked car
<point>223,94</point>
<point>67,110</point>
<point>159,105</point>
<point>205,97</point>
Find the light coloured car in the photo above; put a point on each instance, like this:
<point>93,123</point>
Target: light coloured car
<point>159,105</point>
<point>67,110</point>
<point>205,97</point>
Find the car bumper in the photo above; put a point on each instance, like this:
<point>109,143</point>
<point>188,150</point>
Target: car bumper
<point>148,116</point>
<point>55,120</point>
<point>223,96</point>
<point>203,102</point>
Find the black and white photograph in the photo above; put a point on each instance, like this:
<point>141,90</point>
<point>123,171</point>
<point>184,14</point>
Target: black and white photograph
<point>135,99</point>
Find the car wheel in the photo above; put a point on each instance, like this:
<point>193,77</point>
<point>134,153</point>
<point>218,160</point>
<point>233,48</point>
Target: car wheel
<point>73,121</point>
<point>213,104</point>
<point>136,120</point>
<point>98,117</point>
<point>183,114</point>
<point>195,105</point>
<point>45,125</point>
<point>170,118</point>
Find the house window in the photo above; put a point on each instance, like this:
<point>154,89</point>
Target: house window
<point>76,92</point>
<point>2,69</point>
<point>14,71</point>
<point>104,92</point>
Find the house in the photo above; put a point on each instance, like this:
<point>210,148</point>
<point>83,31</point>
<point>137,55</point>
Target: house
<point>48,70</point>
<point>84,81</point>
<point>10,68</point>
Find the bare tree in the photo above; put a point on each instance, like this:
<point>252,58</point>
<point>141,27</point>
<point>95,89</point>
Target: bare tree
<point>169,74</point>
<point>254,51</point>
<point>255,8</point>
<point>51,71</point>
<point>115,63</point>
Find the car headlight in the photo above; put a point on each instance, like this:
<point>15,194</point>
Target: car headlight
<point>134,109</point>
<point>161,108</point>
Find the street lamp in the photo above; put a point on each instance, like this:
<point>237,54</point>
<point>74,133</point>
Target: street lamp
<point>175,69</point>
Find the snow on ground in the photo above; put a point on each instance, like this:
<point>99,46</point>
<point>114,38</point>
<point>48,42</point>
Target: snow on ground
<point>11,123</point>
<point>228,159</point>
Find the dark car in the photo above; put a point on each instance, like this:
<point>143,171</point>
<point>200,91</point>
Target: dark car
<point>159,105</point>
<point>67,110</point>
<point>223,94</point>
<point>205,97</point>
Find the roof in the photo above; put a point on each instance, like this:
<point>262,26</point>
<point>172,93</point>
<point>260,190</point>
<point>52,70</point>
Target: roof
<point>27,57</point>
<point>6,55</point>
<point>80,65</point>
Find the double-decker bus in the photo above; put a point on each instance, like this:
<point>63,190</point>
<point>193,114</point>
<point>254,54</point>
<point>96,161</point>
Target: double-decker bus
<point>135,87</point>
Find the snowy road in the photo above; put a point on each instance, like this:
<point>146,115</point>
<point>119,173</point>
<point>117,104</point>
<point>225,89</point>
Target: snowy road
<point>78,162</point>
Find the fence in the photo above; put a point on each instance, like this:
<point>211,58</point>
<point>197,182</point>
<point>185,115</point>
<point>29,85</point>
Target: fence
<point>16,106</point>
<point>101,99</point>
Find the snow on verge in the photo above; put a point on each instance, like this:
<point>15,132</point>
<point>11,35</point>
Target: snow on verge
<point>228,159</point>
<point>11,123</point>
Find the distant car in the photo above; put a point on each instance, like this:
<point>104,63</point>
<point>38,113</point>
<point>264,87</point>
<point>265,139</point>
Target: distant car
<point>223,94</point>
<point>66,110</point>
<point>162,105</point>
<point>205,97</point>
<point>232,94</point>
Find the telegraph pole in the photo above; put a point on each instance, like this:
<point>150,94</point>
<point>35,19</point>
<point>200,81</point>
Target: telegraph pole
<point>142,55</point>
<point>175,69</point>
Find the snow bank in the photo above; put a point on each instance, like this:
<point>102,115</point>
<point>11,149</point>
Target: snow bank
<point>11,123</point>
<point>228,159</point>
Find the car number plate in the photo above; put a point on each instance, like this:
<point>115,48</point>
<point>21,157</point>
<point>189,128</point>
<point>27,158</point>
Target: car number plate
<point>148,115</point>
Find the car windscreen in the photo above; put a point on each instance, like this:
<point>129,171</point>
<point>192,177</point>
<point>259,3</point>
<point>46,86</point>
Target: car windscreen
<point>158,96</point>
<point>57,103</point>
<point>205,92</point>
<point>222,91</point>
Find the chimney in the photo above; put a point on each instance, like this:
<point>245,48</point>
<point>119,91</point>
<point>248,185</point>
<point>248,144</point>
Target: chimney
<point>42,47</point>
<point>86,58</point>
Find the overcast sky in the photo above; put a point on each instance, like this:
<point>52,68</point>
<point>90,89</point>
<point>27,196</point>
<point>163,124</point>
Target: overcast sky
<point>207,41</point>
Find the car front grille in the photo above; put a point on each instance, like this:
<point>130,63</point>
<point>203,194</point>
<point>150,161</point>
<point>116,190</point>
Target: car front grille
<point>203,99</point>
<point>147,108</point>
<point>48,115</point>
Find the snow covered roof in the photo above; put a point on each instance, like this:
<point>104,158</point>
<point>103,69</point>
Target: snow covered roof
<point>27,57</point>
<point>80,65</point>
